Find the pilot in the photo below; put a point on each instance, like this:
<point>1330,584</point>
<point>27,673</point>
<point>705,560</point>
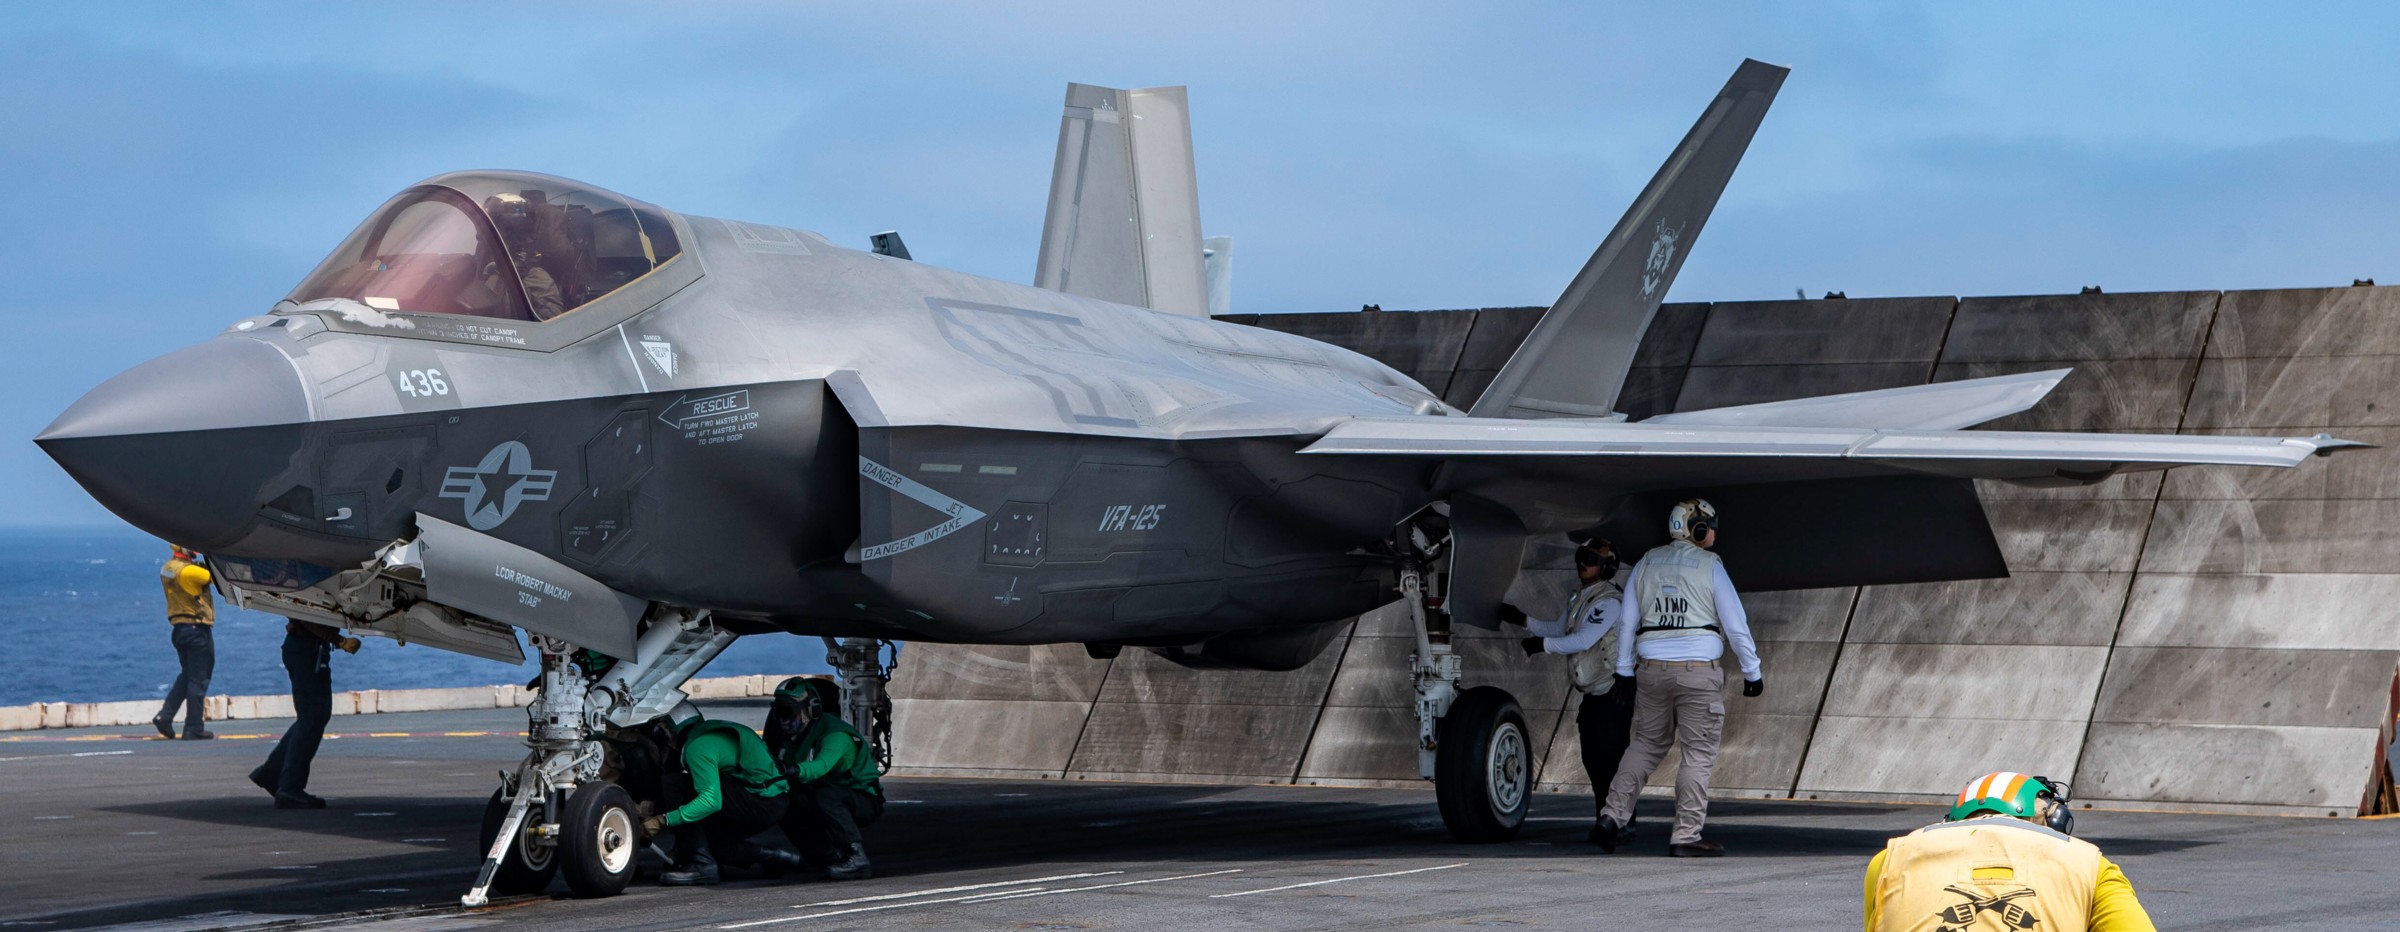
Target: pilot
<point>192,616</point>
<point>1686,612</point>
<point>308,661</point>
<point>834,781</point>
<point>1586,631</point>
<point>520,222</point>
<point>2003,860</point>
<point>731,791</point>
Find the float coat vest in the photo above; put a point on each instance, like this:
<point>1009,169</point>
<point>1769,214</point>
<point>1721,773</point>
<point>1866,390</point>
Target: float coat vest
<point>1995,874</point>
<point>1593,670</point>
<point>1677,592</point>
<point>857,773</point>
<point>185,607</point>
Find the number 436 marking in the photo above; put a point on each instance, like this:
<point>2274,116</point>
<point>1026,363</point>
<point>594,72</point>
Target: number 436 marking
<point>423,383</point>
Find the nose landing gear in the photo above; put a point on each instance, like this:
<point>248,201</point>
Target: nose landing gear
<point>556,815</point>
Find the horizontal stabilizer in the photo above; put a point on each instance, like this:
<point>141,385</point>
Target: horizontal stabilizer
<point>1939,406</point>
<point>1636,456</point>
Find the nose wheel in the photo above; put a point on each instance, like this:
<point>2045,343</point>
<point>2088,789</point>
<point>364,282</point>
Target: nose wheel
<point>598,836</point>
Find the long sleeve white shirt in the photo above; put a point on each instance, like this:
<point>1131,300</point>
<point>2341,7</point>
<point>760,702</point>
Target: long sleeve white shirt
<point>1730,617</point>
<point>1560,636</point>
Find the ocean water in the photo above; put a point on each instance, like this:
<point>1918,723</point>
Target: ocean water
<point>82,620</point>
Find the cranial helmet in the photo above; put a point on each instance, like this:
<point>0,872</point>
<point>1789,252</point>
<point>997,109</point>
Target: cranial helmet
<point>683,715</point>
<point>2018,795</point>
<point>801,693</point>
<point>1691,520</point>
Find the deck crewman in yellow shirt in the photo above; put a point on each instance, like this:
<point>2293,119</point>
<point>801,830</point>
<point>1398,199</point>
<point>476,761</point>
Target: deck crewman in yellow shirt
<point>192,615</point>
<point>2002,861</point>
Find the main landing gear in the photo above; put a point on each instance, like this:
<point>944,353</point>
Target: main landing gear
<point>1472,743</point>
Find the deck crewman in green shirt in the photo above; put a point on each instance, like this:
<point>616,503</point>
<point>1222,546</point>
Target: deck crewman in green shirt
<point>835,790</point>
<point>731,792</point>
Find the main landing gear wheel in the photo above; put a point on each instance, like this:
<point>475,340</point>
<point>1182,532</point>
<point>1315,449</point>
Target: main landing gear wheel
<point>597,839</point>
<point>1483,771</point>
<point>530,862</point>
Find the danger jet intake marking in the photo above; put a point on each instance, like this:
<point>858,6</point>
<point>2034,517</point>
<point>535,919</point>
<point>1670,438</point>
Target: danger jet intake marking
<point>961,514</point>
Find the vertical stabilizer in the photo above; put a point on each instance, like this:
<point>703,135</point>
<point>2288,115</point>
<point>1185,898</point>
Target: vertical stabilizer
<point>1575,360</point>
<point>1124,216</point>
<point>1216,254</point>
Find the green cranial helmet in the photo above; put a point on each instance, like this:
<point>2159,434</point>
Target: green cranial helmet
<point>2014,794</point>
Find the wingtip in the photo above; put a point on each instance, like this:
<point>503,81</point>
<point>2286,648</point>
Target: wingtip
<point>2328,444</point>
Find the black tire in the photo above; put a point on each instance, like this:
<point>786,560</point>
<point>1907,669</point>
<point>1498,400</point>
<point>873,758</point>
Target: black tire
<point>1483,770</point>
<point>525,868</point>
<point>599,838</point>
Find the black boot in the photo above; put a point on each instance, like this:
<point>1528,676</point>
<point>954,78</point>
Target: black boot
<point>298,799</point>
<point>853,867</point>
<point>197,733</point>
<point>1604,834</point>
<point>775,863</point>
<point>165,723</point>
<point>699,870</point>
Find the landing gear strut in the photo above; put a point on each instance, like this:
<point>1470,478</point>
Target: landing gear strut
<point>1472,743</point>
<point>859,665</point>
<point>554,814</point>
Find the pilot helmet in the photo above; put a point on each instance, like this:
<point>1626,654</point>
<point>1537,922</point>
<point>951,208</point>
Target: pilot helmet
<point>513,216</point>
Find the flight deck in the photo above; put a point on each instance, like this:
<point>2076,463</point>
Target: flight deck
<point>109,829</point>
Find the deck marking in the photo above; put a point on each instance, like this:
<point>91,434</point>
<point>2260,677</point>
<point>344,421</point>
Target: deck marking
<point>1320,883</point>
<point>1105,886</point>
<point>960,889</point>
<point>910,900</point>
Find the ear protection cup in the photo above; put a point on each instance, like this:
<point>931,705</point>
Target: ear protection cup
<point>2061,819</point>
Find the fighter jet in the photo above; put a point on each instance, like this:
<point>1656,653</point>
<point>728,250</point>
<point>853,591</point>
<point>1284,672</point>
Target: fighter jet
<point>511,401</point>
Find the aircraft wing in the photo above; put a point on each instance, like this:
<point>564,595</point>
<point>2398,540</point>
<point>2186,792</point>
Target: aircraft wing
<point>1635,456</point>
<point>1805,507</point>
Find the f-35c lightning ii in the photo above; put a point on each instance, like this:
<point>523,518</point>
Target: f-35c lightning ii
<point>513,401</point>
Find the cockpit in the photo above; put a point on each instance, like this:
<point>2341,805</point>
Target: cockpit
<point>506,245</point>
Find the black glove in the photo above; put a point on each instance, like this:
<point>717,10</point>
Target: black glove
<point>1624,687</point>
<point>1533,646</point>
<point>1511,615</point>
<point>1752,688</point>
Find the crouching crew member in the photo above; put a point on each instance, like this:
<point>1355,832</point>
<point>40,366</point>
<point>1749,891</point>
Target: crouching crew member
<point>1687,612</point>
<point>731,792</point>
<point>2002,861</point>
<point>835,790</point>
<point>1586,631</point>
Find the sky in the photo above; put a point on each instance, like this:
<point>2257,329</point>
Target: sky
<point>169,168</point>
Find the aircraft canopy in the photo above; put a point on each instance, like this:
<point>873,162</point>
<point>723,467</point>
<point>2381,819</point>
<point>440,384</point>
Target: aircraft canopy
<point>509,245</point>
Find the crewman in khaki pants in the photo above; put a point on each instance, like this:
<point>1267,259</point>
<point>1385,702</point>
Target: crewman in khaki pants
<point>1686,611</point>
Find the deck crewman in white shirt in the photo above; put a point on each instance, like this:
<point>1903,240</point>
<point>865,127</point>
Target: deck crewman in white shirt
<point>1586,632</point>
<point>1679,612</point>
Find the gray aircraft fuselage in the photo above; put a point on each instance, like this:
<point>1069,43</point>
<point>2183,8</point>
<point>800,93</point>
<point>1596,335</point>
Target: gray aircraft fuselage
<point>795,435</point>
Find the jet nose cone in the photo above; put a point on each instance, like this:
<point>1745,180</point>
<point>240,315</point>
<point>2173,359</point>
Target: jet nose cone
<point>182,446</point>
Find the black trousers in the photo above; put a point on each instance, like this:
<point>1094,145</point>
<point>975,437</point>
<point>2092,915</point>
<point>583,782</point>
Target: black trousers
<point>726,834</point>
<point>196,652</point>
<point>309,663</point>
<point>1605,724</point>
<point>824,820</point>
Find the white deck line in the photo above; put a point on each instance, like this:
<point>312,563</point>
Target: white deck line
<point>1320,883</point>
